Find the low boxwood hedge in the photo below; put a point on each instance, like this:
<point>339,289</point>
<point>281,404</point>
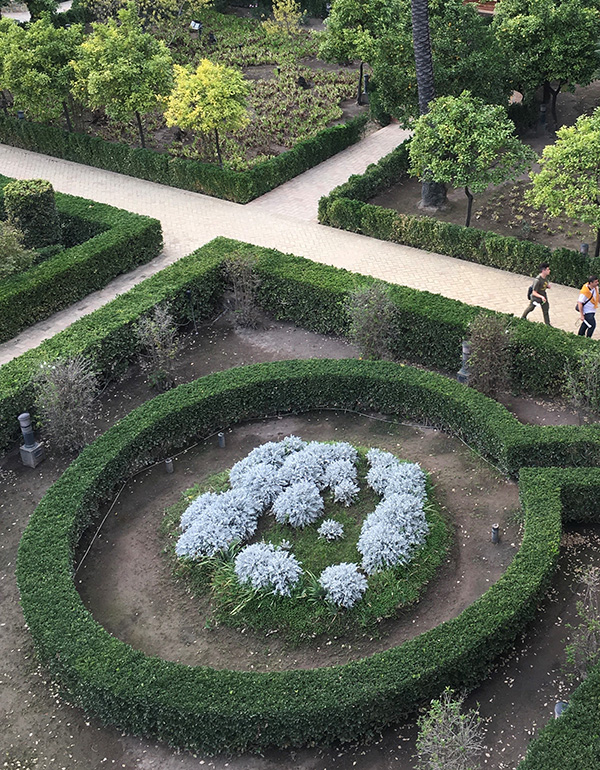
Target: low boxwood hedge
<point>218,710</point>
<point>102,242</point>
<point>346,207</point>
<point>429,328</point>
<point>186,174</point>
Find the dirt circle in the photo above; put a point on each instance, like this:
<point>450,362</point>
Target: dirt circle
<point>126,582</point>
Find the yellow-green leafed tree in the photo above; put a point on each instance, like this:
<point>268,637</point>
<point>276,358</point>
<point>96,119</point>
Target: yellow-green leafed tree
<point>122,68</point>
<point>286,17</point>
<point>213,98</point>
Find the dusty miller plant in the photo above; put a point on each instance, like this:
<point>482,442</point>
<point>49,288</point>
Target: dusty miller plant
<point>157,336</point>
<point>343,584</point>
<point>583,651</point>
<point>582,382</point>
<point>372,313</point>
<point>65,394</point>
<point>489,361</point>
<point>449,739</point>
<point>241,271</point>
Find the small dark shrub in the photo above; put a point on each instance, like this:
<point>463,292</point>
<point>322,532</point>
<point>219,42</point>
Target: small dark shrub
<point>372,312</point>
<point>489,362</point>
<point>157,335</point>
<point>14,257</point>
<point>582,382</point>
<point>241,271</point>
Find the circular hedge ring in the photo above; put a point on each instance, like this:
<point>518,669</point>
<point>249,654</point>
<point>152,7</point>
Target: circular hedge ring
<point>218,710</point>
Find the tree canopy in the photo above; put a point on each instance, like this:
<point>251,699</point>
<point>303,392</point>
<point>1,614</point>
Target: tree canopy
<point>353,28</point>
<point>465,55</point>
<point>465,142</point>
<point>549,41</point>
<point>122,69</point>
<point>211,99</point>
<point>37,69</point>
<point>569,180</point>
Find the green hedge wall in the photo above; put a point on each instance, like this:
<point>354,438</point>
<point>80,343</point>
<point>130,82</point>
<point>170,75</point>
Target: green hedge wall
<point>178,172</point>
<point>346,207</point>
<point>30,206</point>
<point>209,710</point>
<point>118,241</point>
<point>429,328</point>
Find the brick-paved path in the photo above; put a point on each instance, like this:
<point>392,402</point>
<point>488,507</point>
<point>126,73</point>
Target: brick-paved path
<point>282,219</point>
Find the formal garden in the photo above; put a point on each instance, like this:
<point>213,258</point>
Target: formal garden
<point>271,528</point>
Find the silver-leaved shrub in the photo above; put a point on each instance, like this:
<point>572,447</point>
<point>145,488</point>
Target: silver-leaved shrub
<point>343,584</point>
<point>299,505</point>
<point>331,529</point>
<point>264,566</point>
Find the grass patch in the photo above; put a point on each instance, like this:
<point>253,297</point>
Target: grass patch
<point>305,614</point>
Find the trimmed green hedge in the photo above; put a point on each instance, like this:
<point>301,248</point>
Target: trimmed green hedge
<point>191,175</point>
<point>117,242</point>
<point>209,710</point>
<point>429,328</point>
<point>346,207</point>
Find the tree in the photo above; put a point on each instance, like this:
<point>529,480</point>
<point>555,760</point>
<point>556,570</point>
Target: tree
<point>466,143</point>
<point>123,69</point>
<point>549,41</point>
<point>449,740</point>
<point>9,31</point>
<point>213,98</point>
<point>353,28</point>
<point>37,7</point>
<point>37,68</point>
<point>286,18</point>
<point>465,56</point>
<point>569,180</point>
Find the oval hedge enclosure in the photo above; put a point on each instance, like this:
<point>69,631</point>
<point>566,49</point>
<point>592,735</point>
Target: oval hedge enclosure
<point>209,710</point>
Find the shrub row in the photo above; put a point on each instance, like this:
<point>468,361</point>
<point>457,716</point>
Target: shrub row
<point>117,241</point>
<point>209,710</point>
<point>428,328</point>
<point>179,172</point>
<point>346,207</point>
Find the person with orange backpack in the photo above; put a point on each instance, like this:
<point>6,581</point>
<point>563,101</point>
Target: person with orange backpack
<point>587,304</point>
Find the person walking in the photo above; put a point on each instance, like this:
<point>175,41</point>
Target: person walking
<point>538,293</point>
<point>587,303</point>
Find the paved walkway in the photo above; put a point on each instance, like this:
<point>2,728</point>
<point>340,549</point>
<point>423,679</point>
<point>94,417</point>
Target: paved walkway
<point>283,219</point>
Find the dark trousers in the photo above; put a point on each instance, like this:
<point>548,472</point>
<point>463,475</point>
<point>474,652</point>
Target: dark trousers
<point>543,305</point>
<point>584,329</point>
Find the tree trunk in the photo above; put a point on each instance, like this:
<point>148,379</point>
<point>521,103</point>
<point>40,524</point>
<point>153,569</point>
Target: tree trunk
<point>597,251</point>
<point>218,148</point>
<point>469,205</point>
<point>555,92</point>
<point>141,130</point>
<point>433,194</point>
<point>360,83</point>
<point>67,117</point>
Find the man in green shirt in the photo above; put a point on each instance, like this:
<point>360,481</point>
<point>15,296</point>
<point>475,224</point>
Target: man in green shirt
<point>538,294</point>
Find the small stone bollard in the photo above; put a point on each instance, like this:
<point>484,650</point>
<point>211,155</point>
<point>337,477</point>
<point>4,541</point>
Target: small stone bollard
<point>584,249</point>
<point>463,374</point>
<point>32,453</point>
<point>495,533</point>
<point>169,465</point>
<point>560,706</point>
<point>221,437</point>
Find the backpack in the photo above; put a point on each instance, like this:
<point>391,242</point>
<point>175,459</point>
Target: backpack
<point>587,300</point>
<point>529,290</point>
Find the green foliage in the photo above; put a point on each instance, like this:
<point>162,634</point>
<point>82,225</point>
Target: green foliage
<point>37,67</point>
<point>178,172</point>
<point>372,314</point>
<point>305,615</point>
<point>241,270</point>
<point>549,41</point>
<point>582,382</point>
<point>344,208</point>
<point>14,257</point>
<point>354,26</point>
<point>583,650</point>
<point>121,68</point>
<point>449,739</point>
<point>464,142</point>
<point>490,359</point>
<point>465,56</point>
<point>30,207</point>
<point>101,241</point>
<point>37,8</point>
<point>157,337</point>
<point>568,182</point>
<point>210,710</point>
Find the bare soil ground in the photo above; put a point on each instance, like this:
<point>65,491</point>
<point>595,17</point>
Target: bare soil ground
<point>127,585</point>
<point>501,209</point>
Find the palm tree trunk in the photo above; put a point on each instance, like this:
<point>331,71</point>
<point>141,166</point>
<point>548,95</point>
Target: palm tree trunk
<point>360,83</point>
<point>67,117</point>
<point>433,194</point>
<point>141,130</point>
<point>597,251</point>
